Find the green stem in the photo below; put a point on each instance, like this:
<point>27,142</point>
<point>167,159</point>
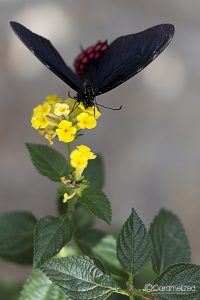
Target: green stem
<point>130,287</point>
<point>71,208</point>
<point>144,295</point>
<point>69,150</point>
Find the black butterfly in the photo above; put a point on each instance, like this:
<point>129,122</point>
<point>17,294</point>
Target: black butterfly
<point>102,67</point>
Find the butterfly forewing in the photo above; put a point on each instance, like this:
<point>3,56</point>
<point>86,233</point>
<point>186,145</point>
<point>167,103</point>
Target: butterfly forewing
<point>47,54</point>
<point>128,55</point>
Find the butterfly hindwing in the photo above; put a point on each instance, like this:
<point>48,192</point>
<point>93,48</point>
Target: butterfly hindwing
<point>47,54</point>
<point>128,55</point>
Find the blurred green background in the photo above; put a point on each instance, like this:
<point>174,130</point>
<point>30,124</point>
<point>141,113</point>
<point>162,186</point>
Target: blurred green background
<point>151,147</point>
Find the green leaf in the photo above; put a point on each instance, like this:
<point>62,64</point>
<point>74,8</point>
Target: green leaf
<point>83,219</point>
<point>103,247</point>
<point>39,287</point>
<point>118,297</point>
<point>92,237</point>
<point>16,236</point>
<point>89,240</point>
<point>95,172</point>
<point>51,235</point>
<point>9,290</point>
<point>61,206</point>
<point>48,161</point>
<point>79,277</point>
<point>169,241</point>
<point>97,202</point>
<point>133,244</point>
<point>179,276</point>
<point>105,250</point>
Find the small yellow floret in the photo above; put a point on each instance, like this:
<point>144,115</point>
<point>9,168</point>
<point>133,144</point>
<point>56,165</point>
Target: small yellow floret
<point>37,109</point>
<point>39,121</point>
<point>86,151</point>
<point>78,160</point>
<point>50,135</point>
<point>86,120</point>
<point>65,197</point>
<point>61,109</point>
<point>91,110</point>
<point>53,99</point>
<point>66,132</point>
<point>45,109</point>
<point>94,112</point>
<point>74,107</point>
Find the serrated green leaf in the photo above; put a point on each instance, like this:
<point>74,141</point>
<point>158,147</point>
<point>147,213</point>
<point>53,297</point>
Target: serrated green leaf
<point>182,279</point>
<point>133,244</point>
<point>39,287</point>
<point>48,161</point>
<point>97,202</point>
<point>16,236</point>
<point>51,235</point>
<point>95,172</point>
<point>98,244</point>
<point>169,241</point>
<point>79,277</point>
<point>83,219</point>
<point>92,237</point>
<point>118,297</point>
<point>89,240</point>
<point>61,206</point>
<point>105,250</point>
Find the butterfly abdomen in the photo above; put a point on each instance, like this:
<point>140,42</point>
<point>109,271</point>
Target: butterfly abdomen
<point>90,54</point>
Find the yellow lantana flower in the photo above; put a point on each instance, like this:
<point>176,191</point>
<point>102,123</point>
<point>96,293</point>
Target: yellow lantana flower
<point>91,110</point>
<point>78,160</point>
<point>86,151</point>
<point>45,109</point>
<point>66,196</point>
<point>50,135</point>
<point>61,109</point>
<point>53,99</point>
<point>75,109</point>
<point>66,131</point>
<point>39,121</point>
<point>86,120</point>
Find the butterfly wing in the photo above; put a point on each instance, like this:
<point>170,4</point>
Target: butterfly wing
<point>47,54</point>
<point>128,55</point>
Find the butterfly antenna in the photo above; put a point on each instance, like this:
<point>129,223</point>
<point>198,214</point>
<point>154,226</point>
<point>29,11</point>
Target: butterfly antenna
<point>111,108</point>
<point>69,95</point>
<point>81,47</point>
<point>96,104</point>
<point>74,106</point>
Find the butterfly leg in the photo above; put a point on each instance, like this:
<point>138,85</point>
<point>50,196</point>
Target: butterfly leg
<point>112,108</point>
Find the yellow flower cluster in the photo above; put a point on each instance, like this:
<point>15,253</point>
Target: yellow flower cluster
<point>62,118</point>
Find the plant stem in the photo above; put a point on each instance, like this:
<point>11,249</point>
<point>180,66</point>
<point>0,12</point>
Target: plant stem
<point>68,155</point>
<point>130,287</point>
<point>71,207</point>
<point>144,295</point>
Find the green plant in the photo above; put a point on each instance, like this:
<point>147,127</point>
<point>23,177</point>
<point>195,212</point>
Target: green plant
<point>73,260</point>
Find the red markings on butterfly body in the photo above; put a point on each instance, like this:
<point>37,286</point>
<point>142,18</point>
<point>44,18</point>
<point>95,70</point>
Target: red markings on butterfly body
<point>90,54</point>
